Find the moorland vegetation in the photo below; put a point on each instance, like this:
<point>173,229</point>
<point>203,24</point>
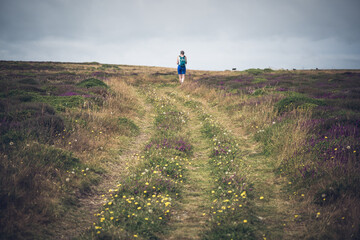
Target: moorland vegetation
<point>105,151</point>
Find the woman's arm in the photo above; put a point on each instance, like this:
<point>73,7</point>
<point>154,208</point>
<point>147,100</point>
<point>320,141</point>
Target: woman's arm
<point>177,60</point>
<point>185,59</point>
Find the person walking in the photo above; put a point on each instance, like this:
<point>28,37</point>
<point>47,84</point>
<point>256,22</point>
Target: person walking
<point>181,62</point>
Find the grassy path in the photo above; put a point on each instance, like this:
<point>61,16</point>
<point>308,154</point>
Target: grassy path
<point>215,203</point>
<point>271,212</point>
<point>190,219</point>
<point>274,212</point>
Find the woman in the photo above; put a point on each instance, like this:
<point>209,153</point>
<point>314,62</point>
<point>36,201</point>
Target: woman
<point>181,62</point>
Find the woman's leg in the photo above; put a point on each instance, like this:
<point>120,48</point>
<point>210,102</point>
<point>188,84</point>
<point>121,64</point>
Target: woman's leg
<point>181,77</point>
<point>179,72</point>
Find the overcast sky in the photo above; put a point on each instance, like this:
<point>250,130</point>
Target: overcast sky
<point>215,34</point>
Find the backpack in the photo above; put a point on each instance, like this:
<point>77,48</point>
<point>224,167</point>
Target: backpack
<point>182,61</point>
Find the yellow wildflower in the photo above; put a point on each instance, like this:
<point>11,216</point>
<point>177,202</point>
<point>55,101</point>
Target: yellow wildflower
<point>243,194</point>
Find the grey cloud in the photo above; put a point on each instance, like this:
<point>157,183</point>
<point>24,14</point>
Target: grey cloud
<point>238,33</point>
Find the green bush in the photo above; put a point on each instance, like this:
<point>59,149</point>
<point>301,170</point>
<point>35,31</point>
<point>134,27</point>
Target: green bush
<point>295,101</point>
<point>268,70</point>
<point>254,71</point>
<point>92,82</point>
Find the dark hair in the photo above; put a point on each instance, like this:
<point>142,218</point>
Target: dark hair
<point>182,52</point>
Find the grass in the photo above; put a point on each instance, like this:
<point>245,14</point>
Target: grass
<point>128,126</point>
<point>64,126</point>
<point>231,215</point>
<point>141,205</point>
<point>36,184</point>
<point>53,143</point>
<point>294,130</point>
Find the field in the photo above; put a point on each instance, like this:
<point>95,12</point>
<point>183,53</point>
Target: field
<point>100,151</point>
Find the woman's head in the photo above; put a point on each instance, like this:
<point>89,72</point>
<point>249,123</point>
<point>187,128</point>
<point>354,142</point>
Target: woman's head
<point>182,52</point>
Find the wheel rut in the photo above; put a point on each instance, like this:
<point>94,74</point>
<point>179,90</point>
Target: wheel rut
<point>78,221</point>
